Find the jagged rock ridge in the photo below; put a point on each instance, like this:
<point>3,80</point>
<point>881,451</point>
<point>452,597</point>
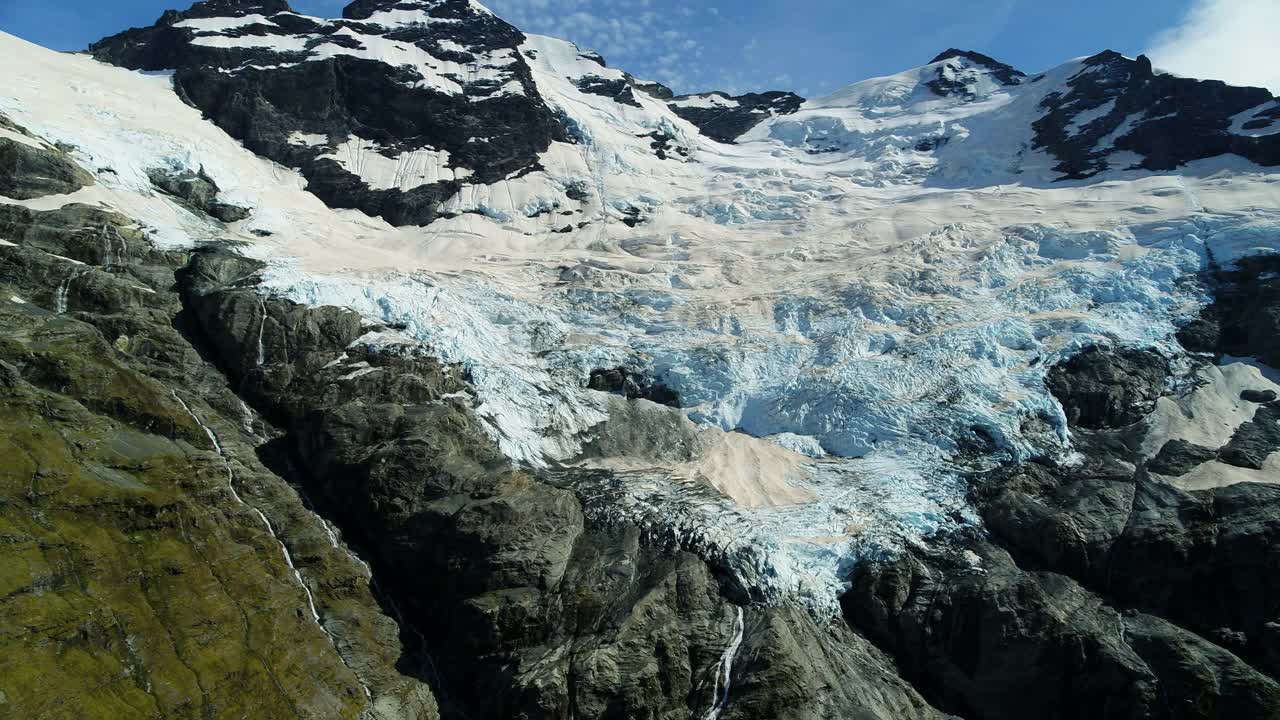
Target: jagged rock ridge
<point>323,96</point>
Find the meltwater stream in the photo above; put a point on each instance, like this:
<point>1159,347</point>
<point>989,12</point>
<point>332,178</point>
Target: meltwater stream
<point>724,669</point>
<point>284,550</point>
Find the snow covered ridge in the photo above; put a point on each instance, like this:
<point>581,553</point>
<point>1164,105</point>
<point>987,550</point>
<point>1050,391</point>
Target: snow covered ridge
<point>438,91</point>
<point>458,107</point>
<point>852,304</point>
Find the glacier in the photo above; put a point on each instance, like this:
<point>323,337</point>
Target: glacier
<point>874,286</point>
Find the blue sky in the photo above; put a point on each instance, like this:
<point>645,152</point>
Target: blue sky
<point>810,46</point>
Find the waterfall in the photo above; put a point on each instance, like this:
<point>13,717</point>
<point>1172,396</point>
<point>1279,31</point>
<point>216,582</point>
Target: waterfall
<point>262,326</point>
<point>724,670</point>
<point>105,236</point>
<point>284,550</point>
<point>110,256</point>
<point>246,418</point>
<point>64,288</point>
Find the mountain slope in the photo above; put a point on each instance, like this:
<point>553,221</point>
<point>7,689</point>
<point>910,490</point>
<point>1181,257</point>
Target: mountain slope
<point>594,375</point>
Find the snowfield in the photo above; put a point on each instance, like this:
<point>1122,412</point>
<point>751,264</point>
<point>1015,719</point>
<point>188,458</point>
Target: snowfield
<point>850,321</point>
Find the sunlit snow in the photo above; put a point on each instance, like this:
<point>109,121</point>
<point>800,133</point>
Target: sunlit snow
<point>873,307</point>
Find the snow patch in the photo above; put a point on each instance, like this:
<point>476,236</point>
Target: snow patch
<point>309,140</point>
<point>403,172</point>
<point>222,24</point>
<point>709,100</point>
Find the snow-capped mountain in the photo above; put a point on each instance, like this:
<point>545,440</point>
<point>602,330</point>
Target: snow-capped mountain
<point>785,335</point>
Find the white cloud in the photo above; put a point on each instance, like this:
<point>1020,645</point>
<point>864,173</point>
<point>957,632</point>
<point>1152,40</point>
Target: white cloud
<point>1231,40</point>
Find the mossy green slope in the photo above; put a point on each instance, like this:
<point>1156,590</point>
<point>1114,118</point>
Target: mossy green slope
<point>138,575</point>
<point>133,585</point>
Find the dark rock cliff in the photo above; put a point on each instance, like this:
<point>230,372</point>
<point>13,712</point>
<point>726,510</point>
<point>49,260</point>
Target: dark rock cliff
<point>149,554</point>
<point>295,78</point>
<point>1098,590</point>
<point>726,118</point>
<point>1167,120</point>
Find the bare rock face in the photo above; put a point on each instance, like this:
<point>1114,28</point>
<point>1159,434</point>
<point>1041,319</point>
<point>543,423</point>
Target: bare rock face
<point>1098,589</point>
<point>160,569</point>
<point>726,117</point>
<point>1108,389</point>
<point>268,82</point>
<point>1189,119</point>
<point>992,640</point>
<point>197,191</point>
<point>1178,457</point>
<point>33,168</point>
<point>1244,318</point>
<point>1201,559</point>
<point>959,78</point>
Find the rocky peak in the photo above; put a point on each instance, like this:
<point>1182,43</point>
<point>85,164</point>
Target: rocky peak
<point>390,138</point>
<point>227,8</point>
<point>1007,74</point>
<point>1114,103</point>
<point>402,12</point>
<point>970,75</point>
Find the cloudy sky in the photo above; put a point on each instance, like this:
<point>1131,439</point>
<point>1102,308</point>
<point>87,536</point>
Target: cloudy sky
<point>812,46</point>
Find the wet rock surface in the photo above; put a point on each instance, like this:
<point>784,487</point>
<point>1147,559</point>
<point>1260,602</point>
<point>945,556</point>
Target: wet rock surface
<point>141,532</point>
<point>159,568</point>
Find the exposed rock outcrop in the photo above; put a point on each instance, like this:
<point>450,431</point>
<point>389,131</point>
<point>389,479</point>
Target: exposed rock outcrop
<point>632,385</point>
<point>1137,598</point>
<point>1167,120</point>
<point>1178,457</point>
<point>725,117</point>
<point>962,70</point>
<point>197,191</point>
<point>1003,72</point>
<point>989,639</point>
<point>288,77</point>
<point>31,168</point>
<point>1102,388</point>
<point>159,569</point>
<point>1244,318</point>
